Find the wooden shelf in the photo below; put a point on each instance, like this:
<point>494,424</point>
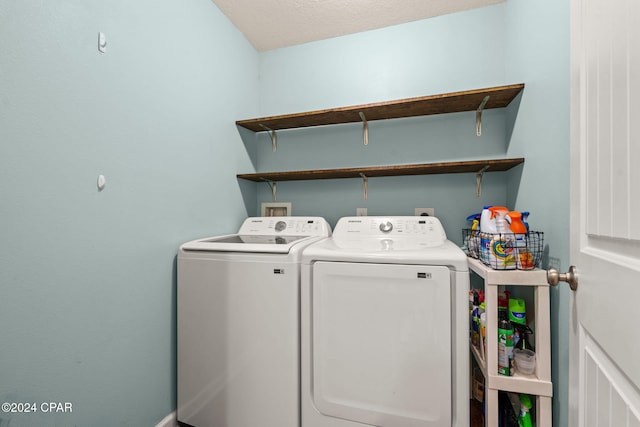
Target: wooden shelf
<point>473,166</point>
<point>508,277</point>
<point>471,100</point>
<point>499,97</point>
<point>518,383</point>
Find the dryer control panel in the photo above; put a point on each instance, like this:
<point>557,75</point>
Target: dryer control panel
<point>416,227</point>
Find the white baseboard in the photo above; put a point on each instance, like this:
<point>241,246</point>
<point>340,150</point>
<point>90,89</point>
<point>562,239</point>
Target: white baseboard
<point>170,420</point>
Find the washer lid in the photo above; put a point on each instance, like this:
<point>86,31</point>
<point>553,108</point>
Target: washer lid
<point>265,235</point>
<point>246,243</point>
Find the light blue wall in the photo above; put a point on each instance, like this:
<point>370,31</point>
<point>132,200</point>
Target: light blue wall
<point>87,278</point>
<point>424,57</point>
<point>515,42</point>
<point>420,58</point>
<point>537,52</point>
<point>428,139</point>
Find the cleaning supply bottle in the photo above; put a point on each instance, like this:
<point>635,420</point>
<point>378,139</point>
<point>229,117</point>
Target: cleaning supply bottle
<point>524,418</point>
<point>475,330</point>
<point>502,253</point>
<point>483,333</point>
<point>505,348</point>
<point>472,318</point>
<point>525,219</point>
<point>521,337</point>
<point>475,220</point>
<point>497,246</point>
<point>515,223</point>
<point>524,258</point>
<point>487,223</point>
<point>517,311</point>
<point>472,243</point>
<point>499,214</point>
<point>503,306</point>
<point>487,230</point>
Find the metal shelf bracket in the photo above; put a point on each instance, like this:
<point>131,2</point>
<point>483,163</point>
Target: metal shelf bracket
<point>274,189</point>
<point>479,115</point>
<point>274,137</point>
<point>365,186</point>
<point>479,175</point>
<point>365,128</point>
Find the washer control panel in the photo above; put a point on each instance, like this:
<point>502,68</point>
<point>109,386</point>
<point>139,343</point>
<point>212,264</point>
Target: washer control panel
<point>418,227</point>
<point>285,225</point>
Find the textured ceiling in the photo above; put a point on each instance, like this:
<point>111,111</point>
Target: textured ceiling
<point>271,24</point>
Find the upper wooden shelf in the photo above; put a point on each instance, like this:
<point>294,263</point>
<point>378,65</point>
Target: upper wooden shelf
<point>472,166</point>
<point>499,97</point>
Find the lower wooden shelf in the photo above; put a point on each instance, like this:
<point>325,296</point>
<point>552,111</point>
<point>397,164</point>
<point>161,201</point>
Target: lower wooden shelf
<point>517,383</point>
<point>472,166</point>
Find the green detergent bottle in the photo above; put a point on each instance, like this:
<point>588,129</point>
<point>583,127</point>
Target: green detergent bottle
<point>517,311</point>
<point>524,419</point>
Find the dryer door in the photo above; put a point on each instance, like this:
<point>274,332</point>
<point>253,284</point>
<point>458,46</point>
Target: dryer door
<point>381,343</point>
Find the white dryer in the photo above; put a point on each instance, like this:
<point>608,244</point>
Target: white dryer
<point>384,322</point>
<point>238,324</point>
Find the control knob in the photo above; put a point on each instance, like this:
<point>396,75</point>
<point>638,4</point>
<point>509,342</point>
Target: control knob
<point>386,227</point>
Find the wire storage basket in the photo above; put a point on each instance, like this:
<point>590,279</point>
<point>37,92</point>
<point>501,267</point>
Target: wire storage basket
<point>470,242</point>
<point>505,251</point>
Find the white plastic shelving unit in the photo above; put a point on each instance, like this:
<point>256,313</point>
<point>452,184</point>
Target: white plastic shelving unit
<point>538,384</point>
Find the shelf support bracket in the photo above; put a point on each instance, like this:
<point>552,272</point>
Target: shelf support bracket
<point>274,189</point>
<point>274,137</point>
<point>479,175</point>
<point>479,115</point>
<point>365,186</point>
<point>365,128</point>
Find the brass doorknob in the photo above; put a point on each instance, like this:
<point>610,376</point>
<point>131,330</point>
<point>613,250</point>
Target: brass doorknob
<point>571,277</point>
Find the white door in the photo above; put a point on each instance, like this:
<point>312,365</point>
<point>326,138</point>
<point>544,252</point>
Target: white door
<point>605,209</point>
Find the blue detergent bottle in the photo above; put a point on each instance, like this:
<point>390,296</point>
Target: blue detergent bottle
<point>525,220</point>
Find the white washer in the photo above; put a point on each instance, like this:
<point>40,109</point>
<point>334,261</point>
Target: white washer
<point>238,324</point>
<point>384,320</point>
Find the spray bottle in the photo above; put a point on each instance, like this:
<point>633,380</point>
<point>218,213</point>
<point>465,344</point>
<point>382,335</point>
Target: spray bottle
<point>521,337</point>
<point>524,257</point>
<point>505,347</point>
<point>524,419</point>
<point>499,214</point>
<point>518,319</point>
<point>475,220</point>
<point>472,242</point>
